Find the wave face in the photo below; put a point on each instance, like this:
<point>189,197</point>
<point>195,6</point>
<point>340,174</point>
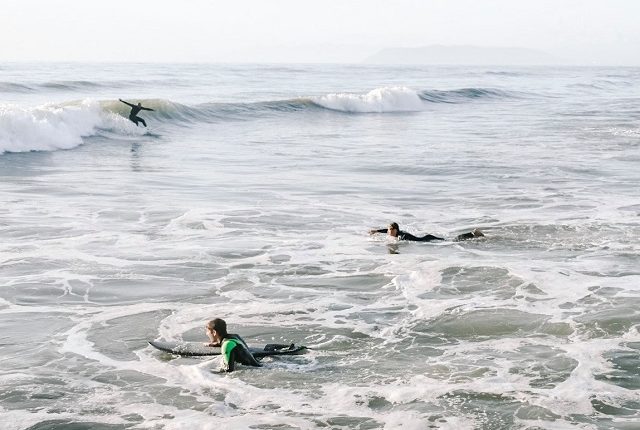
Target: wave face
<point>462,95</point>
<point>63,126</point>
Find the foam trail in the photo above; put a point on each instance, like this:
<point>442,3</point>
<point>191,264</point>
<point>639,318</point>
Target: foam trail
<point>387,99</point>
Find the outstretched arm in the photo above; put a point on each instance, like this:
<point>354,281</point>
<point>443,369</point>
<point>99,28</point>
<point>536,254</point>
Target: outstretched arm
<point>128,104</point>
<point>144,108</point>
<point>379,230</point>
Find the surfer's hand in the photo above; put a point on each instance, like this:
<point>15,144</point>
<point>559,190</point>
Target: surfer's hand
<point>211,344</point>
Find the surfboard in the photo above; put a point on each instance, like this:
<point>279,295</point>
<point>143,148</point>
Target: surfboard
<point>196,349</point>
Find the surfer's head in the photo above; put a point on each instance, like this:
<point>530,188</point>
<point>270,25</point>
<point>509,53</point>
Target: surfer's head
<point>139,104</point>
<point>218,328</point>
<point>477,233</point>
<point>393,229</point>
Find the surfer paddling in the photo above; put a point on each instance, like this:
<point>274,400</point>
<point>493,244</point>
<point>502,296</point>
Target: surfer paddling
<point>393,230</point>
<point>234,349</point>
<point>133,116</point>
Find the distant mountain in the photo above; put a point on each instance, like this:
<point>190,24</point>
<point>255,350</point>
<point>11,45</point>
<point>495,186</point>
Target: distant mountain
<point>462,55</point>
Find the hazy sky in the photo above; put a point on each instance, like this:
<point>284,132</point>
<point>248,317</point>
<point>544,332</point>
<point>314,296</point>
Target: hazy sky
<point>578,31</point>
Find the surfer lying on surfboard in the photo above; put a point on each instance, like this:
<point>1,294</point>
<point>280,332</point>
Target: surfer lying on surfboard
<point>393,230</point>
<point>233,347</point>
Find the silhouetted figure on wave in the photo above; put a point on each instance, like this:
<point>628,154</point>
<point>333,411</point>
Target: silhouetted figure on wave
<point>133,116</point>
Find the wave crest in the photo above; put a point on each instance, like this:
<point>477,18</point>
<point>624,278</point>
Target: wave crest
<point>387,99</point>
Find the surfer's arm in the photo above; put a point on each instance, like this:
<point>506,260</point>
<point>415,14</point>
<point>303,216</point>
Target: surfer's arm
<point>378,230</point>
<point>211,344</point>
<point>230,362</point>
<point>228,350</point>
<point>127,103</point>
<point>144,108</point>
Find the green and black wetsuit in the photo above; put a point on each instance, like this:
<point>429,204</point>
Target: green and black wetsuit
<point>403,235</point>
<point>235,350</point>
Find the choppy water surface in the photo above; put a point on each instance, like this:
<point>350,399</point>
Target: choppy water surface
<point>250,197</point>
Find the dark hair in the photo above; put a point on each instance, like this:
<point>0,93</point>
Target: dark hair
<point>218,325</point>
<point>394,225</point>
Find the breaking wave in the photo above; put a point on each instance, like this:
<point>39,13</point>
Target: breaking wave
<point>400,99</point>
<point>50,127</point>
<point>63,126</point>
<point>388,99</point>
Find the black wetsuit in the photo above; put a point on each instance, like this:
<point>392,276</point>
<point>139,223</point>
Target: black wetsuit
<point>135,109</point>
<point>464,236</point>
<point>403,235</point>
<point>235,350</point>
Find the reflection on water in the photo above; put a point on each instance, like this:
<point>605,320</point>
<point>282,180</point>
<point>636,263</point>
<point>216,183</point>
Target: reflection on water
<point>135,157</point>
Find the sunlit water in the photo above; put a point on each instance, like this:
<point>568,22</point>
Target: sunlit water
<point>250,197</point>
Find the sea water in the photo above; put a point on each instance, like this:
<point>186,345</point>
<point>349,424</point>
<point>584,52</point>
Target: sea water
<point>250,196</point>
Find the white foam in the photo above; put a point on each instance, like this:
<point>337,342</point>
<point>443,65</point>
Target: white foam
<point>386,99</point>
<point>54,126</point>
<point>47,127</point>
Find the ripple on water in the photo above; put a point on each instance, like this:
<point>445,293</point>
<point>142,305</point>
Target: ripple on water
<point>484,323</point>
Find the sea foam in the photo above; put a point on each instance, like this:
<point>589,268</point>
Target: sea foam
<point>50,127</point>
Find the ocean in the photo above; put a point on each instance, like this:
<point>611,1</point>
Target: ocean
<point>250,197</point>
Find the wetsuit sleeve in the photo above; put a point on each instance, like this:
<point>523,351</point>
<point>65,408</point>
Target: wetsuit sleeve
<point>144,108</point>
<point>128,104</point>
<point>381,230</point>
<point>230,364</point>
<point>228,355</point>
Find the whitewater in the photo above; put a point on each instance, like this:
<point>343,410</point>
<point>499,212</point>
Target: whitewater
<point>250,197</point>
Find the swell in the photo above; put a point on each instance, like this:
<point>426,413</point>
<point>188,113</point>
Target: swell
<point>78,85</point>
<point>403,99</point>
<point>380,100</point>
<point>66,125</point>
<point>464,95</point>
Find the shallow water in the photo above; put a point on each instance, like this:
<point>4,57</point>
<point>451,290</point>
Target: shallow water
<point>250,197</point>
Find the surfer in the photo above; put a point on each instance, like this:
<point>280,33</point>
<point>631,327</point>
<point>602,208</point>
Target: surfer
<point>393,230</point>
<point>234,349</point>
<point>133,116</point>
